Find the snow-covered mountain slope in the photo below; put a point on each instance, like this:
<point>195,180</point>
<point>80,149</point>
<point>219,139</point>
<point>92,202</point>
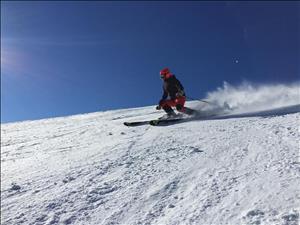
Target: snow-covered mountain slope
<point>91,169</point>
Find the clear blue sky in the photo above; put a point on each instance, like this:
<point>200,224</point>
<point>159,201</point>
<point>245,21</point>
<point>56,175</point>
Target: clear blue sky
<point>64,58</point>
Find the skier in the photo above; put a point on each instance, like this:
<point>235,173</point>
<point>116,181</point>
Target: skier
<point>172,88</point>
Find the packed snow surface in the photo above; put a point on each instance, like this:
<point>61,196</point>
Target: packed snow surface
<point>91,169</point>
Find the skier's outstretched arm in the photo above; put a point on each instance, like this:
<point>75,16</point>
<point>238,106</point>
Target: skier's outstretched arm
<point>163,98</point>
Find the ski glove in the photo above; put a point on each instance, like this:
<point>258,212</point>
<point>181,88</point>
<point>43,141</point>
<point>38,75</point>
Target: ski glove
<point>158,107</point>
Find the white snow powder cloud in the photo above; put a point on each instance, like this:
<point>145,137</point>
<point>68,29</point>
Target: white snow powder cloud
<point>249,97</point>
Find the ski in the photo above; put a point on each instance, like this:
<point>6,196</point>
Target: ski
<point>164,121</point>
<point>136,123</point>
<point>154,122</point>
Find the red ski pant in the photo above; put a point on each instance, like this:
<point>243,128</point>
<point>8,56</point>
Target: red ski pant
<point>177,102</point>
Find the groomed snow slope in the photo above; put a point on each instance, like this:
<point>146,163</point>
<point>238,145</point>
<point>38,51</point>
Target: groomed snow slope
<point>91,169</point>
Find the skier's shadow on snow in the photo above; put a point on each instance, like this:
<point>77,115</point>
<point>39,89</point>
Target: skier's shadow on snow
<point>266,113</point>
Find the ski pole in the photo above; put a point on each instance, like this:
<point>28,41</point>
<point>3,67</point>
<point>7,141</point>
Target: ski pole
<point>200,100</point>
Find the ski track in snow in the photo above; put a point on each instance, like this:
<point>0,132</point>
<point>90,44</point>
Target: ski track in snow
<point>90,169</point>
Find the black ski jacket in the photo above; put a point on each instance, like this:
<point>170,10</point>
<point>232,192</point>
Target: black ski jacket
<point>172,87</point>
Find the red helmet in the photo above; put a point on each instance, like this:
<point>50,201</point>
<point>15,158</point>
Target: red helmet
<point>165,73</point>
